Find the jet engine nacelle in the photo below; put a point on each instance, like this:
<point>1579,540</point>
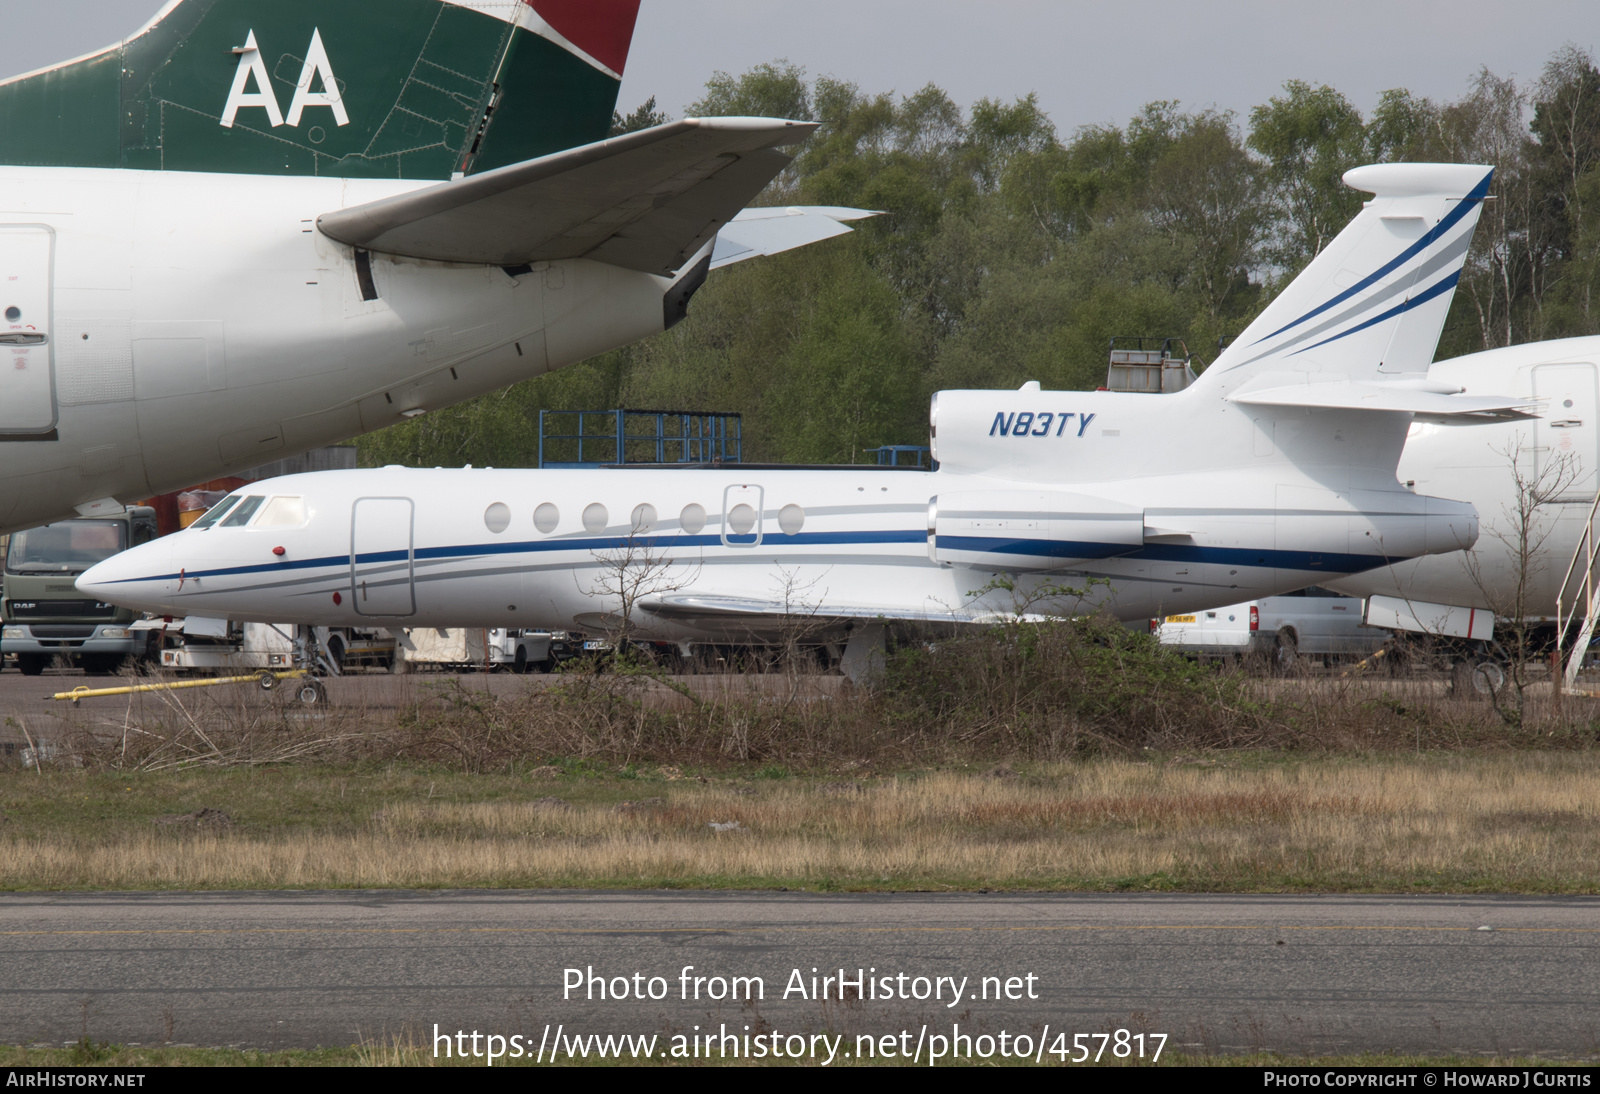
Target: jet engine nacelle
<point>1392,524</point>
<point>1029,530</point>
<point>1043,530</point>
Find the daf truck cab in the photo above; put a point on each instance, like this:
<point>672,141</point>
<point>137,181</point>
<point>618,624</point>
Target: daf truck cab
<point>42,613</point>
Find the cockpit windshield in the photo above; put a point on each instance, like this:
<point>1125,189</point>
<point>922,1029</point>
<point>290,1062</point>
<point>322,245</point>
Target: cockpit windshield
<point>241,516</point>
<point>215,513</point>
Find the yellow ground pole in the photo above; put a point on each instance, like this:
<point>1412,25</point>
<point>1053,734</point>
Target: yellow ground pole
<point>94,693</point>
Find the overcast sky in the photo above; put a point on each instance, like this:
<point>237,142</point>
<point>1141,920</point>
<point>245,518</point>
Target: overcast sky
<point>1089,63</point>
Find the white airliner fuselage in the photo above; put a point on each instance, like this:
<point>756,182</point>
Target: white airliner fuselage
<point>1555,456</point>
<point>196,323</point>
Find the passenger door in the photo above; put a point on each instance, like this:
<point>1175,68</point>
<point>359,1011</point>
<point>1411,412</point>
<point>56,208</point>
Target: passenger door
<point>741,516</point>
<point>1566,436</point>
<point>382,557</point>
<point>27,355</point>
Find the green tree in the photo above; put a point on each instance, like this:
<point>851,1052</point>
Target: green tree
<point>1563,163</point>
<point>646,116</point>
<point>1309,138</point>
<point>1404,128</point>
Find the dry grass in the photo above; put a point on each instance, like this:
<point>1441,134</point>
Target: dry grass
<point>1506,822</point>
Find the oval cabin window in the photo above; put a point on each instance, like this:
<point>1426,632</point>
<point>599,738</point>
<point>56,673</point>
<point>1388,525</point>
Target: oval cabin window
<point>791,519</point>
<point>741,519</point>
<point>546,517</point>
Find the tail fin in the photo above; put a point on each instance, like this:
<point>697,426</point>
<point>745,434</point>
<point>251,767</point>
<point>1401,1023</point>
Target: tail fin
<point>1371,306</point>
<point>415,89</point>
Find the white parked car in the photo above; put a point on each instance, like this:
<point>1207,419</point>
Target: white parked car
<point>1311,623</point>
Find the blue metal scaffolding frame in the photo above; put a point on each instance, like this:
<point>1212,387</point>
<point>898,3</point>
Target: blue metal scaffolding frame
<point>640,437</point>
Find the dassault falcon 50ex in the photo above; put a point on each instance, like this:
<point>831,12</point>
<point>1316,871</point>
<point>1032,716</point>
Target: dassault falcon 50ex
<point>259,226</point>
<point>1275,470</point>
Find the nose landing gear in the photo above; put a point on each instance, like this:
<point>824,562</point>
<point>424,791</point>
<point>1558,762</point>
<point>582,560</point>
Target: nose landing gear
<point>313,659</point>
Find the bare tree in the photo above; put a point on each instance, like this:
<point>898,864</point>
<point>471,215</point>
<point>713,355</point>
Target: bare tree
<point>1036,600</point>
<point>1513,585</point>
<point>638,568</point>
<point>800,624</point>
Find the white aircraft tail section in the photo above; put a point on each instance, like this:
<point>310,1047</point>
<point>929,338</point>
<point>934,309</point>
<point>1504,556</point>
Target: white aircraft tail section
<point>1371,306</point>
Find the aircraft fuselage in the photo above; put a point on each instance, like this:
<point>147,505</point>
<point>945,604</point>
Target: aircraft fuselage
<point>731,552</point>
<point>1547,468</point>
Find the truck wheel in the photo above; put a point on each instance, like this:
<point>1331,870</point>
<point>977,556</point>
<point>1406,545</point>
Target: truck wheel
<point>32,664</point>
<point>1488,677</point>
<point>102,664</point>
<point>520,663</point>
<point>1286,653</point>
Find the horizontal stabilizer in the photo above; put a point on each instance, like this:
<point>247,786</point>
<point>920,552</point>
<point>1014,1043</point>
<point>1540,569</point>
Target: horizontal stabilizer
<point>758,232</point>
<point>644,201</point>
<point>1403,398</point>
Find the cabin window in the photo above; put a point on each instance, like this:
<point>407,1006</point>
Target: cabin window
<point>215,513</point>
<point>791,519</point>
<point>693,518</point>
<point>285,512</point>
<point>595,518</point>
<point>546,517</point>
<point>742,519</point>
<point>644,518</point>
<point>247,509</point>
<point>497,518</point>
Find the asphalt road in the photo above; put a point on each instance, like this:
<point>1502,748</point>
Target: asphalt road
<point>1328,974</point>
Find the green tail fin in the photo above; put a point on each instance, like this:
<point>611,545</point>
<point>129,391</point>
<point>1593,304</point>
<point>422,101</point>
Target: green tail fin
<point>414,89</point>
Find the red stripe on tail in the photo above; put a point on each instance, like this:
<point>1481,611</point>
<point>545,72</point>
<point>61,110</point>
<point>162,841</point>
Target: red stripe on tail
<point>601,28</point>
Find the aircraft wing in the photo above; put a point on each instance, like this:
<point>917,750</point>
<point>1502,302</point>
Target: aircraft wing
<point>710,607</point>
<point>644,201</point>
<point>769,231</point>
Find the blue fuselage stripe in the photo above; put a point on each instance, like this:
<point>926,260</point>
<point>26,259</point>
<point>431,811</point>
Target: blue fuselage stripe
<point>1038,548</point>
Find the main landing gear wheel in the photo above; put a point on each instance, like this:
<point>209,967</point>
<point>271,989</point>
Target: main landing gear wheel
<point>311,693</point>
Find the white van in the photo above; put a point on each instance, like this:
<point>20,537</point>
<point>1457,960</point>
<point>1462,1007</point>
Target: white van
<point>1312,623</point>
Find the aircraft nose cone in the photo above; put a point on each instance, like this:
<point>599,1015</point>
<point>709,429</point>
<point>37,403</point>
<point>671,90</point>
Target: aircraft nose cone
<point>134,579</point>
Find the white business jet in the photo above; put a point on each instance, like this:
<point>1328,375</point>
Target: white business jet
<point>256,227</point>
<point>1274,471</point>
